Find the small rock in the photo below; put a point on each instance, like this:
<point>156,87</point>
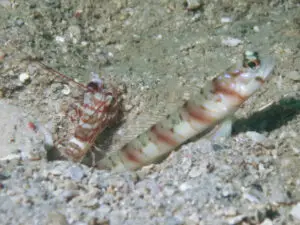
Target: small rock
<point>185,186</point>
<point>96,178</point>
<point>5,3</point>
<point>295,145</point>
<point>60,39</point>
<point>102,59</point>
<point>74,33</point>
<point>136,38</point>
<point>256,137</point>
<point>55,218</point>
<point>295,212</point>
<point>251,198</point>
<point>193,219</point>
<point>267,222</point>
<point>226,20</point>
<point>231,42</point>
<point>19,22</point>
<point>70,185</point>
<point>158,37</point>
<point>230,212</point>
<point>228,191</point>
<point>104,209</point>
<point>92,203</point>
<point>186,163</point>
<point>293,75</point>
<point>236,220</point>
<point>84,43</point>
<point>169,191</point>
<point>24,78</point>
<point>78,13</point>
<point>277,192</point>
<point>128,107</point>
<point>66,90</point>
<point>193,4</point>
<point>195,172</point>
<point>69,194</point>
<point>57,170</point>
<point>173,221</point>
<point>117,217</point>
<point>76,173</point>
<point>256,28</point>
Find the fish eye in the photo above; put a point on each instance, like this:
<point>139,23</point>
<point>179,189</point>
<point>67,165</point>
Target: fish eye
<point>252,64</point>
<point>251,60</point>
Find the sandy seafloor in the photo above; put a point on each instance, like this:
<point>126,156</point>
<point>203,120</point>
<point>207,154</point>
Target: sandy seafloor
<point>156,52</point>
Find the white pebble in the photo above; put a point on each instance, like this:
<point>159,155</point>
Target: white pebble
<point>9,157</point>
<point>66,90</point>
<point>60,39</point>
<point>185,186</point>
<point>24,77</point>
<point>256,28</point>
<point>231,42</point>
<point>193,4</point>
<point>158,37</point>
<point>84,43</point>
<point>230,212</point>
<point>110,54</point>
<point>256,137</point>
<point>267,222</point>
<point>249,53</point>
<point>250,198</point>
<point>226,20</point>
<point>295,212</point>
<point>236,219</point>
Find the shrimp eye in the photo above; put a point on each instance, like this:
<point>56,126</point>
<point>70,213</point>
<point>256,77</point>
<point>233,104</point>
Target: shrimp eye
<point>92,86</point>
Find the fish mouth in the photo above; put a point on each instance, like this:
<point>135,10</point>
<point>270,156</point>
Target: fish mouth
<point>266,68</point>
<point>260,67</point>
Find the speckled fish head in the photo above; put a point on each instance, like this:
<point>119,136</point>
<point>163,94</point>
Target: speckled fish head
<point>249,76</point>
<point>256,68</point>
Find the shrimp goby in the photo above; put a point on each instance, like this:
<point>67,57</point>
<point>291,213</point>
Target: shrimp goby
<point>219,99</point>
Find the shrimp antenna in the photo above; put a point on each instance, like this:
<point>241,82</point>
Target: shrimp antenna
<point>61,75</point>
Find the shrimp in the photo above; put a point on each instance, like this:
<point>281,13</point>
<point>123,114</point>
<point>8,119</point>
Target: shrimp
<point>99,109</point>
<point>219,98</point>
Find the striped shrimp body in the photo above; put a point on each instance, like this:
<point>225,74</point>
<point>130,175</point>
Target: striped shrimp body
<point>100,108</point>
<point>220,98</point>
<point>98,111</point>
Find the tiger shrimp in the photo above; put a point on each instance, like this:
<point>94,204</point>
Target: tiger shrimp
<point>219,98</point>
<point>99,109</point>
